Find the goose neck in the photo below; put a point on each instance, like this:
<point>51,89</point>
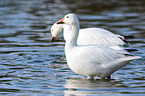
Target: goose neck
<point>72,41</point>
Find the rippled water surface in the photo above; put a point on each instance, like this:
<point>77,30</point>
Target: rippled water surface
<point>31,66</point>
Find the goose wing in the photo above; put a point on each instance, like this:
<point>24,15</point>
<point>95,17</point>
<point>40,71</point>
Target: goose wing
<point>98,36</point>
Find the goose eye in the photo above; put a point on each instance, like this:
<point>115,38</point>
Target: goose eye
<point>67,16</point>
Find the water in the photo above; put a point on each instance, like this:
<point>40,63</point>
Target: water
<point>31,66</point>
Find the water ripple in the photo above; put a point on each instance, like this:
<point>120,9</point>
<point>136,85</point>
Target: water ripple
<point>31,65</point>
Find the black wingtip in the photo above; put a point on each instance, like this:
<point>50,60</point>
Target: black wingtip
<point>125,41</point>
<point>128,37</point>
<point>131,50</point>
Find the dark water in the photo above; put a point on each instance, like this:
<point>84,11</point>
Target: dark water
<point>31,66</point>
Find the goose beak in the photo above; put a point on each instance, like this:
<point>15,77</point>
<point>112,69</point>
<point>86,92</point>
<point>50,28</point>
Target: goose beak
<point>52,39</point>
<point>60,21</point>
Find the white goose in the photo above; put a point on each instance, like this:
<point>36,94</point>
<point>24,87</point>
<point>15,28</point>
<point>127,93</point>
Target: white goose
<point>89,36</point>
<point>91,60</point>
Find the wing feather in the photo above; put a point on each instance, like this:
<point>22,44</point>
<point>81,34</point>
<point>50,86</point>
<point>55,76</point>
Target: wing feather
<point>98,36</point>
<point>101,54</point>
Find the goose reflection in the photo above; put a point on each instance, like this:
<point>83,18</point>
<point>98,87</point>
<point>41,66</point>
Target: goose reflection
<point>86,87</point>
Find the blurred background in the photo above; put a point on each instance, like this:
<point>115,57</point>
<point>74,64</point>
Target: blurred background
<point>31,65</point>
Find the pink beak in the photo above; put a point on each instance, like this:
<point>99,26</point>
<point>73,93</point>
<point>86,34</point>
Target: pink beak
<point>52,39</point>
<point>60,21</point>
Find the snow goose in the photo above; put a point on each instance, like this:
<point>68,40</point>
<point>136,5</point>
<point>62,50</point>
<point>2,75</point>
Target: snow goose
<point>91,60</point>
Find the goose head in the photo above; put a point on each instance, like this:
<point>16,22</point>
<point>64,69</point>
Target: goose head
<point>70,19</point>
<point>55,31</point>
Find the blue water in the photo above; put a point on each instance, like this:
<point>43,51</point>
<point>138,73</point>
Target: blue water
<point>32,66</point>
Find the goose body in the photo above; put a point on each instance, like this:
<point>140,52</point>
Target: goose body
<point>94,61</point>
<point>91,60</point>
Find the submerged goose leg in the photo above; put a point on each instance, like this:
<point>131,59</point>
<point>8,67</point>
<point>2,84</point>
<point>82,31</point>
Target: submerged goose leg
<point>90,77</point>
<point>109,77</point>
